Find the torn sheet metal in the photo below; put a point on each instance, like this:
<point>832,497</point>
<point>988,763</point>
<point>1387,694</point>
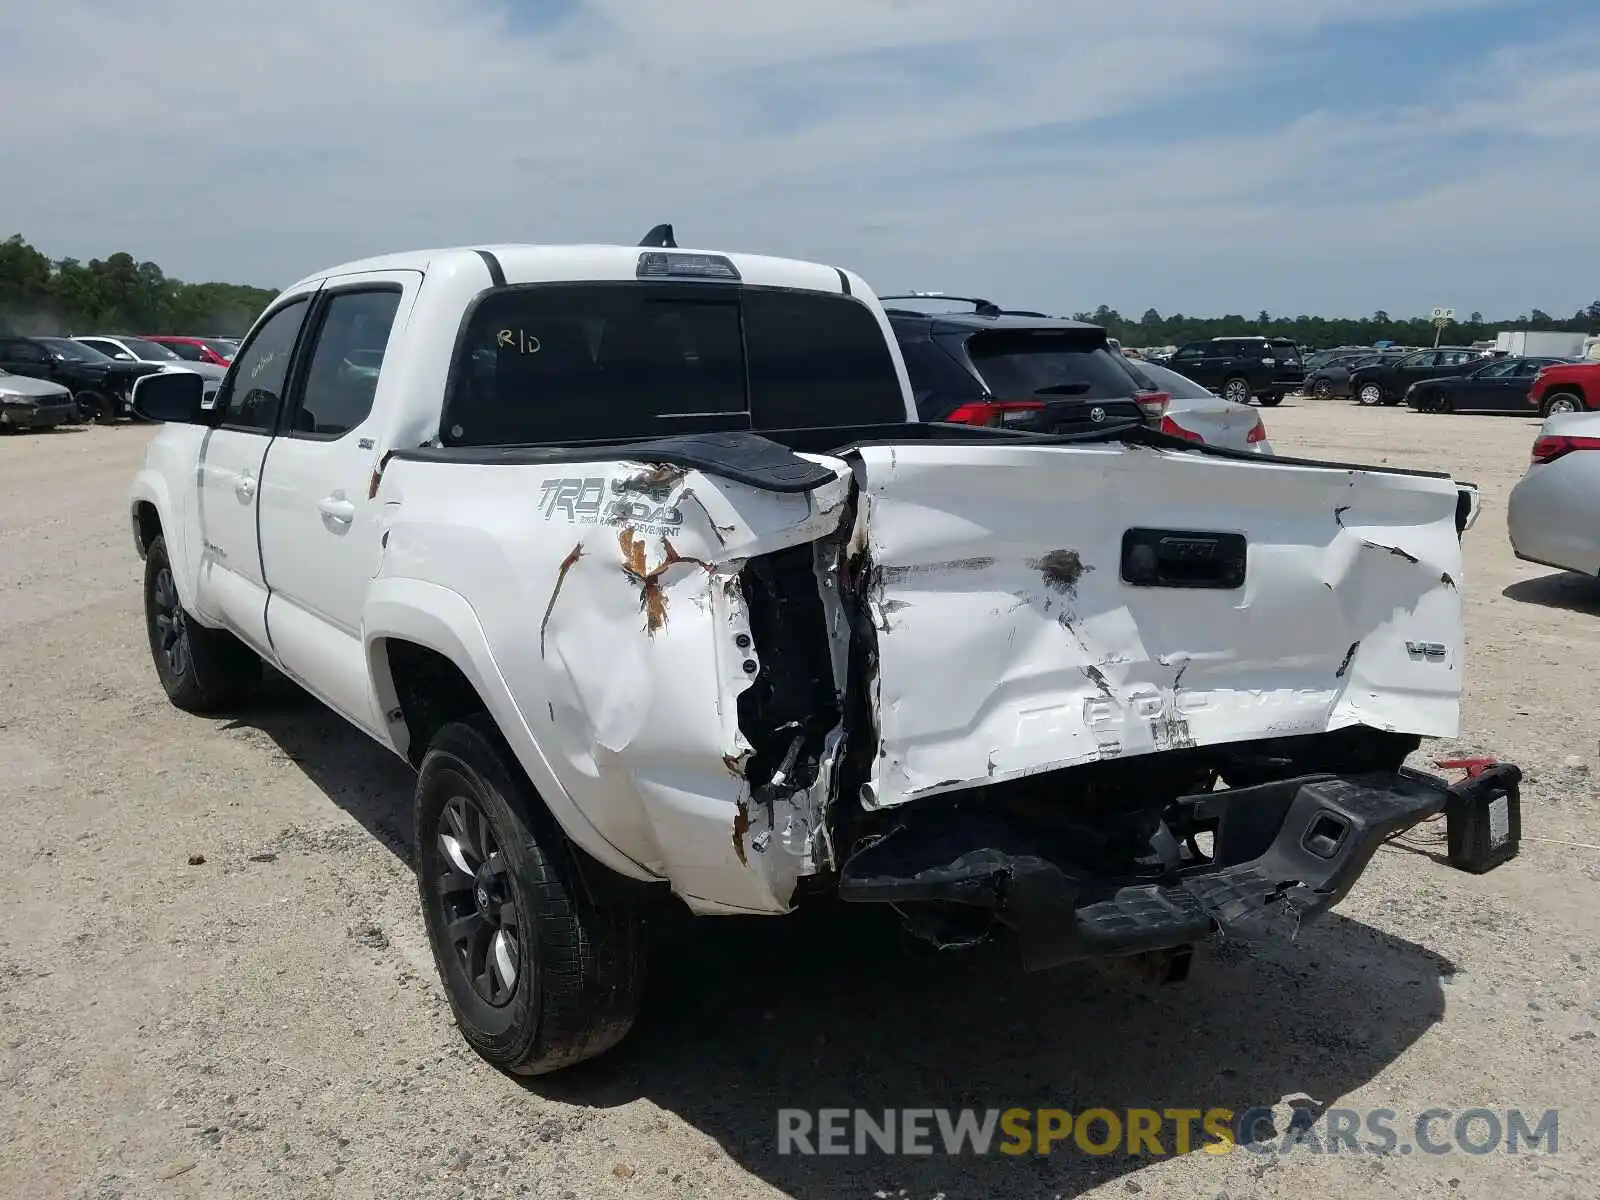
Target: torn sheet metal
<point>1009,640</point>
<point>647,647</point>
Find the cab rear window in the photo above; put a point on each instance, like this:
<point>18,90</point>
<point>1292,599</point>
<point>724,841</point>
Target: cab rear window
<point>613,361</point>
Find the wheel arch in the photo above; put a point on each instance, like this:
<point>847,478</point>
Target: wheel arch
<point>153,513</point>
<point>1565,388</point>
<point>429,662</point>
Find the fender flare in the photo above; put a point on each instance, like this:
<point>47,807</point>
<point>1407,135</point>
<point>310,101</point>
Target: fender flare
<point>443,621</point>
<point>150,487</point>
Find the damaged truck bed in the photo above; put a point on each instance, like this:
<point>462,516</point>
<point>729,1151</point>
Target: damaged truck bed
<point>1111,694</point>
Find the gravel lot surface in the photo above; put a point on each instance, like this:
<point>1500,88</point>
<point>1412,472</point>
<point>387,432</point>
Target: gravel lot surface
<point>214,981</point>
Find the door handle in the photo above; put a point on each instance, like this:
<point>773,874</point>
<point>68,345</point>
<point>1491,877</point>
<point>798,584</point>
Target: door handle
<point>337,508</point>
<point>245,489</point>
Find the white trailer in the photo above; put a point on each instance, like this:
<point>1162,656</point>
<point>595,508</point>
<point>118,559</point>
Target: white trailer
<point>1541,344</point>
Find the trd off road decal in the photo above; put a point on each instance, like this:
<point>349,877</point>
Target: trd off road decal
<point>591,500</point>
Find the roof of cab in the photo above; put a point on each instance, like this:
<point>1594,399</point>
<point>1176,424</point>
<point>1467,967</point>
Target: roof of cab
<point>528,262</point>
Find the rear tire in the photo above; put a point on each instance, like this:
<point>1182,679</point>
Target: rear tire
<point>541,971</point>
<point>202,670</point>
<point>1562,402</point>
<point>1370,395</point>
<point>1270,400</point>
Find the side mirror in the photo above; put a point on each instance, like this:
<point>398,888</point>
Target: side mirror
<point>176,397</point>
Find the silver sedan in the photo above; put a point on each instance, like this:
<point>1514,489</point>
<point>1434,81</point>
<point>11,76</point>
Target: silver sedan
<point>1553,516</point>
<point>1198,414</point>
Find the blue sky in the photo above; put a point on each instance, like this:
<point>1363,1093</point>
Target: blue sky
<point>1203,156</point>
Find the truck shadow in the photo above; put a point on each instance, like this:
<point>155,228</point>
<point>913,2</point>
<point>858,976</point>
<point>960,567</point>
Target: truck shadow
<point>837,1007</point>
<point>1566,590</point>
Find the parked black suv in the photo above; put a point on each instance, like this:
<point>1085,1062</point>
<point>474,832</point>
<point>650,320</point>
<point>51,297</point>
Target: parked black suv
<point>1020,369</point>
<point>1387,382</point>
<point>100,385</point>
<point>1239,368</point>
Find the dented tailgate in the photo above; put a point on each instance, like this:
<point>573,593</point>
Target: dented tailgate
<point>1038,607</point>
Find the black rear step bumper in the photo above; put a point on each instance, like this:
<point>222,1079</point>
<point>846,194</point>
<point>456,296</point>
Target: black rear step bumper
<point>1292,848</point>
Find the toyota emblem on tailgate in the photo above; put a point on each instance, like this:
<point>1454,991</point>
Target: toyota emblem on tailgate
<point>1097,414</point>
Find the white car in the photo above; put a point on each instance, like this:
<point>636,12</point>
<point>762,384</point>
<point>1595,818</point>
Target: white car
<point>641,557</point>
<point>1196,413</point>
<point>1553,514</point>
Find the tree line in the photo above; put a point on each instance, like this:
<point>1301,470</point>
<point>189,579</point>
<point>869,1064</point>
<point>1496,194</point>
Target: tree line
<point>119,294</point>
<point>1153,329</point>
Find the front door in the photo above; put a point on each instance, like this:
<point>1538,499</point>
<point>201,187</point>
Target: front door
<point>232,586</point>
<point>320,536</point>
<point>1508,392</point>
<point>1490,387</point>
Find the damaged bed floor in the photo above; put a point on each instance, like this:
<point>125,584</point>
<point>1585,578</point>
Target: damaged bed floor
<point>214,981</point>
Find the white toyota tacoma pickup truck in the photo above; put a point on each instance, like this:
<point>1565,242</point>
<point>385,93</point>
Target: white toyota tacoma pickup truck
<point>642,559</point>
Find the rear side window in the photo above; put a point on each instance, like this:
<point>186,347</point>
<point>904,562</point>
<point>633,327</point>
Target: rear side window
<point>1047,362</point>
<point>612,361</point>
<point>185,350</point>
<point>342,378</point>
<point>818,360</point>
<point>939,384</point>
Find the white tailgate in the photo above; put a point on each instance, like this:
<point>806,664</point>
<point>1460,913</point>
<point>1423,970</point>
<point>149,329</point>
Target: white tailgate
<point>1008,643</point>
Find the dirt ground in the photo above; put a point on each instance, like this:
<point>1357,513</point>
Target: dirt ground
<point>266,1022</point>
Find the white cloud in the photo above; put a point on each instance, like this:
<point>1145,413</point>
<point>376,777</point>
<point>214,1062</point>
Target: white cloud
<point>260,141</point>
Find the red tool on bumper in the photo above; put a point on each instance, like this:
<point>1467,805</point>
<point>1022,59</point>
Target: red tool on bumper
<point>1483,820</point>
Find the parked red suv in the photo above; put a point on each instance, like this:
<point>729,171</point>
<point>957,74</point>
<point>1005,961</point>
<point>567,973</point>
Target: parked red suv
<point>1566,387</point>
<point>207,350</point>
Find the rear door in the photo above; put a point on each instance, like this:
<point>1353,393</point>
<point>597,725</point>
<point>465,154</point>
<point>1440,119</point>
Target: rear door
<point>1456,362</point>
<point>320,534</point>
<point>1489,387</point>
<point>232,585</point>
<point>1290,367</point>
<point>1512,394</point>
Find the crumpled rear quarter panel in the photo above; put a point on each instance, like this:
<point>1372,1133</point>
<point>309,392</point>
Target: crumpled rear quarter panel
<point>610,595</point>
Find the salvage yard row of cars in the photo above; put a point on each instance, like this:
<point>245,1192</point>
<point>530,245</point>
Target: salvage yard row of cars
<point>1459,379</point>
<point>50,381</point>
<point>769,522</point>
